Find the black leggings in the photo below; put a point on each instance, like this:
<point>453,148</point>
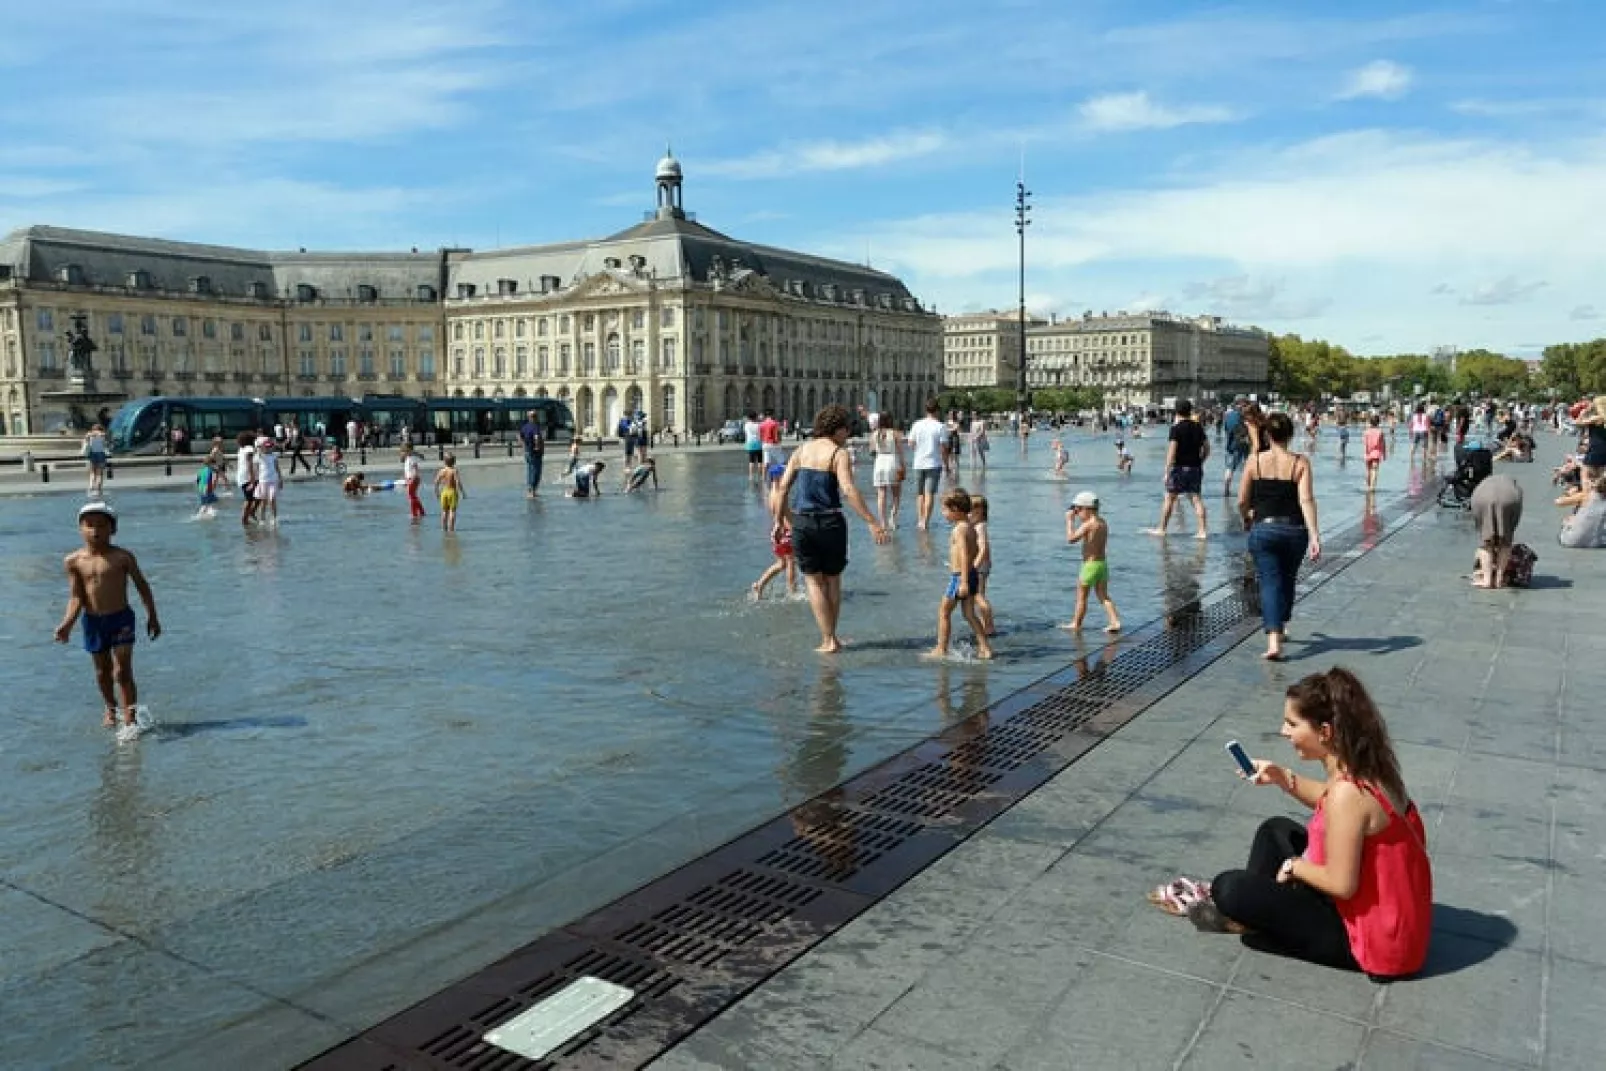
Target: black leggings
<point>1288,919</point>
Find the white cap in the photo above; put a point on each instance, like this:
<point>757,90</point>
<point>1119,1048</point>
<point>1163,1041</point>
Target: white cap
<point>91,509</point>
<point>1086,500</point>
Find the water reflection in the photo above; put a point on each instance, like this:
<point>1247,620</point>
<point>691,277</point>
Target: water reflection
<point>124,850</point>
<point>1182,577</point>
<point>814,768</point>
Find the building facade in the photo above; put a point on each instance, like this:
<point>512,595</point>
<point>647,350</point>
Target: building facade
<point>669,317</point>
<point>982,349</point>
<point>1149,359</point>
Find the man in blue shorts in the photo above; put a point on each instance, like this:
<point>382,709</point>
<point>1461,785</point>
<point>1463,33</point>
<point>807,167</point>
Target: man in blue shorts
<point>1236,434</point>
<point>1184,469</point>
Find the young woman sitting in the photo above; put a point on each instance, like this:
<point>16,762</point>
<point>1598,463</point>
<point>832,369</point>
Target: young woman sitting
<point>1352,889</point>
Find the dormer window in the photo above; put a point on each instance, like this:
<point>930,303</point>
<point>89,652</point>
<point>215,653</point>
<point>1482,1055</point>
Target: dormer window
<point>138,280</point>
<point>426,293</point>
<point>638,263</point>
<point>507,287</point>
<point>610,262</point>
<point>367,294</point>
<point>257,290</point>
<point>200,284</point>
<point>71,274</point>
<point>465,290</point>
<point>550,284</point>
<point>306,292</point>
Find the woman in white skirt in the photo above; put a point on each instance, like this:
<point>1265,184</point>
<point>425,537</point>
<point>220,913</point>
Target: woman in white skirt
<point>887,475</point>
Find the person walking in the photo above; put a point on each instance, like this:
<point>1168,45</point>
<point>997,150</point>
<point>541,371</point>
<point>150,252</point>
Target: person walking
<point>534,440</point>
<point>887,471</point>
<point>925,445</point>
<point>1184,469</point>
<point>95,458</point>
<point>808,501</point>
<point>298,442</point>
<point>1277,502</point>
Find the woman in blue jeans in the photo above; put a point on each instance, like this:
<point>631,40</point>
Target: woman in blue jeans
<point>1278,506</point>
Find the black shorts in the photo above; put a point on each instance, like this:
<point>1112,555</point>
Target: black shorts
<point>248,491</point>
<point>820,543</point>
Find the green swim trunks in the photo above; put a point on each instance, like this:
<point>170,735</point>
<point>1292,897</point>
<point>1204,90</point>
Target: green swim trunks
<point>1095,572</point>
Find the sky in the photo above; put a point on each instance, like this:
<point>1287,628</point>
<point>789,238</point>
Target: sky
<point>1392,178</point>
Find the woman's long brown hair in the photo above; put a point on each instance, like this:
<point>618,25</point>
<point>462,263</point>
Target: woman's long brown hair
<point>1338,699</point>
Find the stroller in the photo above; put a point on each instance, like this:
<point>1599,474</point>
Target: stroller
<point>1473,463</point>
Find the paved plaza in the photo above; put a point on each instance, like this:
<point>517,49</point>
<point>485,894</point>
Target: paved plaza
<point>1031,946</point>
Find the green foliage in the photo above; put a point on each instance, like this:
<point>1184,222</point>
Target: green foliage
<point>1305,370</point>
<point>1067,399</point>
<point>978,399</point>
<point>1574,369</point>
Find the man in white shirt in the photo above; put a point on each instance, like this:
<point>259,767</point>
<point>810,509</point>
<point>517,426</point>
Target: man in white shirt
<point>925,444</point>
<point>245,475</point>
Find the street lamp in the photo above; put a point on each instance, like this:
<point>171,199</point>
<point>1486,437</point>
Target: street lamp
<point>1023,220</point>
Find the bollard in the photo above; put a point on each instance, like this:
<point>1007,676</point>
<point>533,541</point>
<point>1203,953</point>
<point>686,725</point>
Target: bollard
<point>476,449</point>
<point>362,453</point>
<point>27,461</point>
<point>109,470</point>
<point>510,448</point>
<point>168,465</point>
<point>440,451</point>
<point>44,473</point>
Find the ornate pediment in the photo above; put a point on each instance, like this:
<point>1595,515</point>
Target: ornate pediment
<point>751,284</point>
<point>607,284</point>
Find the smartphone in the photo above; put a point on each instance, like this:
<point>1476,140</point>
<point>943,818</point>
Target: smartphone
<point>1241,757</point>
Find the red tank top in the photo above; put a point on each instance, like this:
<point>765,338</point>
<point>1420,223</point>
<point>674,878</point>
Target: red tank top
<point>1390,917</point>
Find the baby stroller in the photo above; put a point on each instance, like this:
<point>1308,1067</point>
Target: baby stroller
<point>1472,465</point>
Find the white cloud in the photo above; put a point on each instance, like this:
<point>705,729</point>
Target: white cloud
<point>1135,111</point>
<point>830,155</point>
<point>1507,290</point>
<point>1383,79</point>
<point>1584,312</point>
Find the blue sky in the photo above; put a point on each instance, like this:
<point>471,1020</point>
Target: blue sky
<point>1392,178</point>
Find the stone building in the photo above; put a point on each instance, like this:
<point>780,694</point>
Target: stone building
<point>1149,358</point>
<point>693,327</point>
<point>982,349</point>
<point>668,316</point>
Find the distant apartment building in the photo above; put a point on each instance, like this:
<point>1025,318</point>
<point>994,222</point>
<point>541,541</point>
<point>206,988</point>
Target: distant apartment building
<point>1149,358</point>
<point>982,349</point>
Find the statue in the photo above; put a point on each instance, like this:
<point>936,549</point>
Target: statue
<point>81,348</point>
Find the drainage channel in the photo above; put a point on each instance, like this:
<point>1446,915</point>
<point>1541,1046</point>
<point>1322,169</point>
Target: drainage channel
<point>676,952</point>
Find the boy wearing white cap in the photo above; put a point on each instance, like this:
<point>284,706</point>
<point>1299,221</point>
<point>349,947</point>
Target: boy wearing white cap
<point>97,587</point>
<point>1084,525</point>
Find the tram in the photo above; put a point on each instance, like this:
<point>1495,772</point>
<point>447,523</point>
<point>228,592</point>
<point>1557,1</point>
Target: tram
<point>148,425</point>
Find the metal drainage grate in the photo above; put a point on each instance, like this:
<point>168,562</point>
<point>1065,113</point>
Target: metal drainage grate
<point>741,913</point>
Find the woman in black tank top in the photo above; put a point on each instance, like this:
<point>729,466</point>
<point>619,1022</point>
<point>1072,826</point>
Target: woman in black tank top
<point>1278,506</point>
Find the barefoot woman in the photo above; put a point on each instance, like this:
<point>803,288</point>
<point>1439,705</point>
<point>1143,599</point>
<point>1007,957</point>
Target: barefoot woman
<point>818,477</point>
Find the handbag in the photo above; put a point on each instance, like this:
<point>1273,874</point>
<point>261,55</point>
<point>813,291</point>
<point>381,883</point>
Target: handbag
<point>1520,566</point>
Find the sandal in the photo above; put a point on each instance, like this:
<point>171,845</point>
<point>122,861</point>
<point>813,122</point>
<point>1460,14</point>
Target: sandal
<point>1178,895</point>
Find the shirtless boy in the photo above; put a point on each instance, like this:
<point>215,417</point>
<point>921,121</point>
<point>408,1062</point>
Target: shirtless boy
<point>97,587</point>
<point>1084,525</point>
<point>963,580</point>
<point>449,486</point>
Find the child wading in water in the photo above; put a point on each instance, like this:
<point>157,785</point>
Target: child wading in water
<point>1123,458</point>
<point>1093,532</point>
<point>97,587</point>
<point>1375,451</point>
<point>984,561</point>
<point>962,580</point>
<point>784,562</point>
<point>1061,456</point>
<point>412,476</point>
<point>449,485</point>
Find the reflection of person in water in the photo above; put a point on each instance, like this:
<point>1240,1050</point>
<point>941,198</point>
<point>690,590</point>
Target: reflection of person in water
<point>1183,575</point>
<point>813,770</point>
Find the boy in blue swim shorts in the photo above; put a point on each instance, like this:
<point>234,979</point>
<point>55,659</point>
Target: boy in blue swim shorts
<point>963,580</point>
<point>97,587</point>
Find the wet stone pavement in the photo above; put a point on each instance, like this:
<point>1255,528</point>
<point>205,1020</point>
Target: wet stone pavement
<point>1031,946</point>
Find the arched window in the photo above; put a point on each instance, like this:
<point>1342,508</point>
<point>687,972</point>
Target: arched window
<point>582,405</point>
<point>730,401</point>
<point>749,398</point>
<point>769,398</point>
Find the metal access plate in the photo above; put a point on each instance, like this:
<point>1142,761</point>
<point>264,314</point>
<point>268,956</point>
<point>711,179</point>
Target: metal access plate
<point>566,1014</point>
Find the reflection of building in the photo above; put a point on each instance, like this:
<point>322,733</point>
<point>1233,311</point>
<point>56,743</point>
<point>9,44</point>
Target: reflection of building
<point>1149,357</point>
<point>982,349</point>
<point>668,316</point>
<point>692,326</point>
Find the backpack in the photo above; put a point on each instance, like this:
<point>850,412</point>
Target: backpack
<point>624,426</point>
<point>1520,566</point>
<point>1238,438</point>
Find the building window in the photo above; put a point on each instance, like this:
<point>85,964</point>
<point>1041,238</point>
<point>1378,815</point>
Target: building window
<point>563,359</point>
<point>563,324</point>
<point>181,327</point>
<point>540,327</point>
<point>638,318</point>
<point>337,332</point>
<point>479,362</point>
<point>426,363</point>
<point>309,363</point>
<point>541,358</point>
<point>521,361</point>
<point>499,362</point>
<point>479,330</point>
<point>668,363</point>
<point>45,319</point>
<point>209,329</point>
<point>264,332</point>
<point>518,329</point>
<point>591,321</point>
<point>457,332</point>
<point>114,323</point>
<point>365,332</point>
<point>398,364</point>
<point>610,363</point>
<point>337,363</point>
<point>47,357</point>
<point>147,325</point>
<point>426,333</point>
<point>666,317</point>
<point>365,362</point>
<point>638,356</point>
<point>499,329</point>
<point>236,332</point>
<point>396,333</point>
<point>589,362</point>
